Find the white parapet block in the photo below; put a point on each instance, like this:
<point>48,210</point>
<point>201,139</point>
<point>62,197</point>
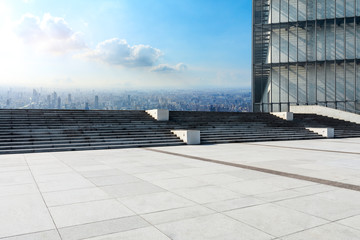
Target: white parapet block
<point>288,116</point>
<point>159,114</point>
<point>190,137</point>
<point>325,132</point>
<point>326,111</point>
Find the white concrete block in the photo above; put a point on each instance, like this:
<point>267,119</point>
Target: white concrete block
<point>326,132</point>
<point>159,114</point>
<point>191,137</point>
<point>328,112</point>
<point>288,116</point>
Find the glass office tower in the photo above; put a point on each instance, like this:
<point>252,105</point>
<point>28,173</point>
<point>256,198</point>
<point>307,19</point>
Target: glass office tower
<point>306,52</point>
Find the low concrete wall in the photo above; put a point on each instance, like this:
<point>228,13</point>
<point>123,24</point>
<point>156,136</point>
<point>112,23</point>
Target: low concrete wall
<point>326,132</point>
<point>288,116</point>
<point>159,114</point>
<point>190,137</point>
<point>325,111</point>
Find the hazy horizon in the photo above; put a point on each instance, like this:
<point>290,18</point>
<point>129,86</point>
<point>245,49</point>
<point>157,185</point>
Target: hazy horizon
<point>127,44</point>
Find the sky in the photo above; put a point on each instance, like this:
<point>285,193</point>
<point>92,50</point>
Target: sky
<point>125,44</point>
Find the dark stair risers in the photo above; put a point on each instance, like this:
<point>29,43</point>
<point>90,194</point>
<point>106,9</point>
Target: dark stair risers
<point>220,127</point>
<point>342,129</point>
<point>27,131</point>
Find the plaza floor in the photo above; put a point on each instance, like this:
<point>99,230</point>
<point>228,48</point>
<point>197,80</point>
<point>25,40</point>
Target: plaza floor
<point>290,190</point>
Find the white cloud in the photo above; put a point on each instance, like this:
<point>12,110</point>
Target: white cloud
<point>166,68</point>
<point>51,33</point>
<point>118,52</point>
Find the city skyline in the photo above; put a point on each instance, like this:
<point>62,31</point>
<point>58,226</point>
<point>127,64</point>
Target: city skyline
<point>230,100</point>
<point>126,44</point>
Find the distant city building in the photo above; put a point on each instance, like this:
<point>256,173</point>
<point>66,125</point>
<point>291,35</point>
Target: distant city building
<point>59,103</point>
<point>48,101</point>
<point>306,52</point>
<point>96,105</point>
<point>87,106</point>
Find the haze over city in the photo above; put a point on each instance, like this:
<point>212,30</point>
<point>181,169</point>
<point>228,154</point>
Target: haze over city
<point>128,44</point>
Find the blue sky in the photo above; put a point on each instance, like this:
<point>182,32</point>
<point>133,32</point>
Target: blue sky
<point>126,43</point>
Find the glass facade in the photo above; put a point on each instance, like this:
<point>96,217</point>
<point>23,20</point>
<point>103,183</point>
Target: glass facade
<point>306,52</point>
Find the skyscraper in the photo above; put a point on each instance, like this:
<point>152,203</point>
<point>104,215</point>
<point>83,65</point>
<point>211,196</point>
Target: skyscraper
<point>305,52</point>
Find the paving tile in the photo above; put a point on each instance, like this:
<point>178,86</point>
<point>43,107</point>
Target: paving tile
<point>80,213</point>
<point>54,168</point>
<point>148,233</point>
<point>280,195</point>
<point>217,179</point>
<point>176,214</point>
<point>214,227</point>
<point>154,202</point>
<point>207,194</point>
<point>69,176</point>
<point>236,203</point>
<point>13,168</point>
<point>287,183</point>
<point>138,169</point>
<point>275,220</point>
<point>182,182</point>
<point>91,167</point>
<point>17,177</point>
<point>46,235</point>
<point>74,196</point>
<point>252,187</point>
<point>163,166</point>
<point>131,189</point>
<point>113,180</point>
<point>196,171</point>
<point>64,185</point>
<point>330,231</point>
<point>22,214</point>
<point>353,222</point>
<point>153,176</point>
<point>317,188</point>
<point>101,173</point>
<point>102,228</point>
<point>330,209</point>
<point>18,189</point>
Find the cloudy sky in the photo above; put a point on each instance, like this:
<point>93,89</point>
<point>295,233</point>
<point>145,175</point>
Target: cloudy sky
<point>133,44</point>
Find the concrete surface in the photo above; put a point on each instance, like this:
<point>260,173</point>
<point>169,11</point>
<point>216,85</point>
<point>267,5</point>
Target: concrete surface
<point>190,137</point>
<point>159,114</point>
<point>142,194</point>
<point>288,116</point>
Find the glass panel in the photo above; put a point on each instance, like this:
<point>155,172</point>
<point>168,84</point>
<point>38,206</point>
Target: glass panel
<point>330,83</point>
<point>350,82</point>
<point>340,41</point>
<point>311,86</point>
<point>320,82</point>
<point>321,9</point>
<point>275,91</point>
<point>293,83</point>
<point>340,82</point>
<point>302,85</point>
<point>284,85</point>
<point>350,41</point>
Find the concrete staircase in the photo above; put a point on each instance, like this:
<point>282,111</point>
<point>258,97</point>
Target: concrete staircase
<point>230,127</point>
<point>342,129</point>
<point>26,131</point>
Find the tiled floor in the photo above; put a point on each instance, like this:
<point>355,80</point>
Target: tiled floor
<point>140,194</point>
